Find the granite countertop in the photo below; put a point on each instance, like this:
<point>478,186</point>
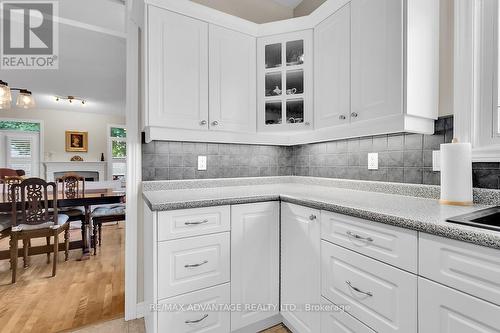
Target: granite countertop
<point>416,213</point>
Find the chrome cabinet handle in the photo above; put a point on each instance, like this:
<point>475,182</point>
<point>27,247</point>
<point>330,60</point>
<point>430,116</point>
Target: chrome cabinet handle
<point>203,122</point>
<point>342,117</point>
<point>312,217</point>
<point>196,222</point>
<point>197,320</point>
<point>307,123</point>
<point>196,265</point>
<point>215,123</point>
<point>353,235</point>
<point>354,114</point>
<point>367,293</point>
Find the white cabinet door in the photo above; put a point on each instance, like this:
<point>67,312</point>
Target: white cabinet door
<point>173,319</point>
<point>232,80</point>
<point>189,264</point>
<point>254,261</point>
<point>377,58</point>
<point>300,266</point>
<point>379,295</point>
<point>445,310</point>
<point>335,319</point>
<point>332,65</point>
<point>177,81</point>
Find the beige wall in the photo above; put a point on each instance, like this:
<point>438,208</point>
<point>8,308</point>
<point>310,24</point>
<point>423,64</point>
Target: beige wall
<point>258,11</point>
<point>56,122</point>
<point>306,7</point>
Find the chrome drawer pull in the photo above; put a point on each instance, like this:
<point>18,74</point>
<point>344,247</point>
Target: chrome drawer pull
<point>196,265</point>
<point>196,321</point>
<point>312,217</point>
<point>368,239</point>
<point>367,293</point>
<point>196,222</point>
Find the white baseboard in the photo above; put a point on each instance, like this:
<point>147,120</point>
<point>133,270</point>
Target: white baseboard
<point>140,310</point>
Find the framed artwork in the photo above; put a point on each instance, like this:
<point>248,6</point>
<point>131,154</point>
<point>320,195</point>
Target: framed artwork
<point>77,141</point>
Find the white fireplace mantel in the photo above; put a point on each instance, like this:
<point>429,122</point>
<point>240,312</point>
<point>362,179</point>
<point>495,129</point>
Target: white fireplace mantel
<point>52,167</point>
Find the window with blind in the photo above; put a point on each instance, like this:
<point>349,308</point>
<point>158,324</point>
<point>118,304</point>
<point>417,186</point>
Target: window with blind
<point>20,154</point>
<point>118,152</point>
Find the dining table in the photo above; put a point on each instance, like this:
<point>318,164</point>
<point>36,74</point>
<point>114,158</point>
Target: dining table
<point>86,199</point>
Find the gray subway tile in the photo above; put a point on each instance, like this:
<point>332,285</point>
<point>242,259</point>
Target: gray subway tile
<point>395,142</point>
<point>175,147</point>
<point>413,175</point>
<point>391,159</point>
<point>380,143</point>
<point>175,160</point>
<point>148,148</point>
<point>162,147</point>
<point>431,177</point>
<point>163,174</point>
<point>395,175</point>
<point>366,144</point>
<point>413,141</point>
<point>433,142</point>
<point>353,145</point>
<point>413,158</point>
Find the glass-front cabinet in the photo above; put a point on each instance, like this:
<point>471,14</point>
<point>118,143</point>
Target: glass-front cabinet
<point>285,81</point>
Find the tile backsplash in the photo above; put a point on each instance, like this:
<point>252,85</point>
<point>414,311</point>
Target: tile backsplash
<point>402,158</point>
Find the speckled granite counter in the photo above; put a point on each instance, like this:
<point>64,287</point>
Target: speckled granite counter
<point>417,212</point>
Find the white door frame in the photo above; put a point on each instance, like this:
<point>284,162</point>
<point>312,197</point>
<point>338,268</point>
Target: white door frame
<point>134,165</point>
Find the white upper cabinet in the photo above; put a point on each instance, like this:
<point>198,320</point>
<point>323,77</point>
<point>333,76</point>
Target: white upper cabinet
<point>284,81</point>
<point>376,59</point>
<point>232,80</point>
<point>177,84</point>
<point>332,64</point>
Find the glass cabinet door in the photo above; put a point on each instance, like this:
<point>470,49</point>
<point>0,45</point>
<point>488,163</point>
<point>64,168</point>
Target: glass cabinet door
<point>285,66</point>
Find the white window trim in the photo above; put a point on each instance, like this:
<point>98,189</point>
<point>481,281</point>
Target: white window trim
<point>475,83</point>
<point>110,150</point>
<point>41,141</point>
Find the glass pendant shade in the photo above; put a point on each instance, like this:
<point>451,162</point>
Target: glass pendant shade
<point>5,96</point>
<point>25,100</point>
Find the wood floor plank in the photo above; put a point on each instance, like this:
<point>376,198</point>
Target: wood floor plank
<point>82,292</point>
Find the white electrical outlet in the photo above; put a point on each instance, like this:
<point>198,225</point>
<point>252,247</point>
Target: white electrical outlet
<point>202,163</point>
<point>436,160</point>
<point>372,161</point>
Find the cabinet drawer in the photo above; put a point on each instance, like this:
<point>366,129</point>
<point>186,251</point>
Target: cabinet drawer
<point>442,309</point>
<point>180,321</point>
<point>339,321</point>
<point>467,267</point>
<point>393,245</point>
<point>193,222</point>
<point>190,264</point>
<point>379,295</point>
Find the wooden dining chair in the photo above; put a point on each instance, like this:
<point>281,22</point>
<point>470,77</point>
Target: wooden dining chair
<point>36,218</point>
<point>100,215</point>
<point>5,218</point>
<point>72,187</point>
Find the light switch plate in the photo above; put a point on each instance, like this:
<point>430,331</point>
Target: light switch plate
<point>372,161</point>
<point>436,160</point>
<point>202,163</point>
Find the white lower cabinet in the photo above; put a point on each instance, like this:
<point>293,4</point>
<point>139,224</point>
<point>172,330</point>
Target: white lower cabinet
<point>254,261</point>
<point>445,310</point>
<point>381,296</point>
<point>338,321</point>
<point>300,266</point>
<point>196,312</point>
<point>190,264</point>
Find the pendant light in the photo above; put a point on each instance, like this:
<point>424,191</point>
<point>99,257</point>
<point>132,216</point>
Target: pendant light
<point>5,95</point>
<point>25,100</point>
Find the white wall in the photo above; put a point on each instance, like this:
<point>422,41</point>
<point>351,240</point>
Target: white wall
<point>57,122</point>
<point>258,11</point>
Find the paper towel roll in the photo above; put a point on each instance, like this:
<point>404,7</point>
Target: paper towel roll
<point>456,174</point>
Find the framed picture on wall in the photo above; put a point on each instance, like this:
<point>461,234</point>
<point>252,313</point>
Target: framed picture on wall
<point>77,141</point>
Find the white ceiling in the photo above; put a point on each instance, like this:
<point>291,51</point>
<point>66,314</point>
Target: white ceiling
<point>91,61</point>
<point>289,3</point>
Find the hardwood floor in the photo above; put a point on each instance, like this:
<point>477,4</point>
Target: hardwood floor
<point>82,292</point>
<point>277,329</point>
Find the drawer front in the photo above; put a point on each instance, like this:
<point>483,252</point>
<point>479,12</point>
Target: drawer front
<point>193,222</point>
<point>393,245</point>
<point>379,295</point>
<point>180,321</point>
<point>467,267</point>
<point>339,321</point>
<point>445,310</point>
<point>189,264</point>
